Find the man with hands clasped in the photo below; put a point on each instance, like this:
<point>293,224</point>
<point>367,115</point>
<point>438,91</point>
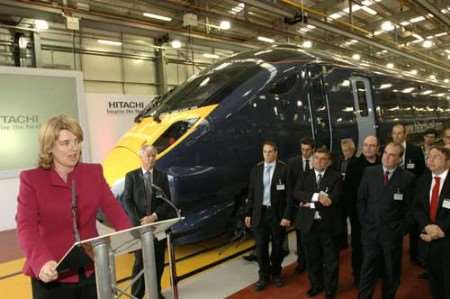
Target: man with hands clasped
<point>268,214</point>
<point>317,196</point>
<point>432,213</point>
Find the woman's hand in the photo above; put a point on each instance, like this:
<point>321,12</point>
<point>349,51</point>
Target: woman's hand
<point>48,272</point>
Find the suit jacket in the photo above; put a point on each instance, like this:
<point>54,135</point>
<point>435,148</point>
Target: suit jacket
<point>353,178</point>
<point>421,208</point>
<point>295,170</point>
<point>278,198</point>
<point>44,213</point>
<point>304,191</point>
<point>134,197</point>
<point>414,155</point>
<point>379,214</point>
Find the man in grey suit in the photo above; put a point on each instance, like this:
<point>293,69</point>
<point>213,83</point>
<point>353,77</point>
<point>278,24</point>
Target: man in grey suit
<point>144,206</point>
<point>384,198</point>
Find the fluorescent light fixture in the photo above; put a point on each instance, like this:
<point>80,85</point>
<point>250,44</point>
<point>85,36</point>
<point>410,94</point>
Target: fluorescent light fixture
<point>408,90</point>
<point>213,56</point>
<point>405,23</point>
<point>41,25</point>
<point>265,39</point>
<point>414,72</point>
<point>356,57</point>
<point>369,10</point>
<point>417,19</point>
<point>157,17</point>
<point>390,65</point>
<point>385,86</point>
<point>176,44</point>
<point>440,94</point>
<point>448,56</point>
<point>387,26</point>
<point>417,36</point>
<point>432,77</point>
<point>447,80</point>
<point>378,32</point>
<point>441,34</point>
<point>109,42</point>
<point>307,44</point>
<point>427,44</point>
<point>225,25</point>
<point>427,92</point>
<point>355,7</point>
<point>336,15</point>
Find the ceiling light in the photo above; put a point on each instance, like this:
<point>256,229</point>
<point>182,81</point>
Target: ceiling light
<point>225,25</point>
<point>447,80</point>
<point>441,34</point>
<point>213,56</point>
<point>336,15</point>
<point>265,39</point>
<point>414,72</point>
<point>369,10</point>
<point>387,26</point>
<point>427,92</point>
<point>390,65</point>
<point>41,25</point>
<point>109,42</point>
<point>385,86</point>
<point>176,44</point>
<point>417,19</point>
<point>355,7</point>
<point>405,23</point>
<point>157,17</point>
<point>408,90</point>
<point>427,44</point>
<point>356,57</point>
<point>448,56</point>
<point>432,77</point>
<point>307,44</point>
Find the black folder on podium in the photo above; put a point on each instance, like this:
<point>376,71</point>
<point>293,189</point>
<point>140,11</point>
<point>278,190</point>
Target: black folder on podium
<point>76,258</point>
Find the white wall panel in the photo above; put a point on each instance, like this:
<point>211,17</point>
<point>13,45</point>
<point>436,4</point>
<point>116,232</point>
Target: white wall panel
<point>140,71</point>
<point>101,68</point>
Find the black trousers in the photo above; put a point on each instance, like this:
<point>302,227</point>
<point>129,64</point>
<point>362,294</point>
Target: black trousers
<point>269,229</point>
<point>438,268</point>
<point>414,253</point>
<point>301,258</point>
<point>322,255</point>
<point>138,288</point>
<point>377,254</point>
<point>85,289</point>
<point>355,241</point>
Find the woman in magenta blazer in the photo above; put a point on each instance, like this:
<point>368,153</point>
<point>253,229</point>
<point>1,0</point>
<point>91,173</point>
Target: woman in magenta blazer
<point>44,215</point>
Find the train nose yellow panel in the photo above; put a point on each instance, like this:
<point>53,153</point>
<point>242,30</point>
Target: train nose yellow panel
<point>124,157</point>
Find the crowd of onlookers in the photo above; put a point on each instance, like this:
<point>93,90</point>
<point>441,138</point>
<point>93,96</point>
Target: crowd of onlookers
<point>371,200</point>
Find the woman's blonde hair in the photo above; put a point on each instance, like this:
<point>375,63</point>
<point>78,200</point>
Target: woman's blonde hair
<point>49,133</point>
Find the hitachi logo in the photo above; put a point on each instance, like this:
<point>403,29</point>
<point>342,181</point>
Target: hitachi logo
<point>19,119</point>
<point>130,105</point>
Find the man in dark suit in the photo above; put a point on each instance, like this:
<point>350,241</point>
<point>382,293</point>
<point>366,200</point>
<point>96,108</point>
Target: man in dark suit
<point>384,197</point>
<point>297,167</point>
<point>432,213</point>
<point>144,206</point>
<point>414,161</point>
<point>369,157</point>
<point>317,196</point>
<point>268,213</point>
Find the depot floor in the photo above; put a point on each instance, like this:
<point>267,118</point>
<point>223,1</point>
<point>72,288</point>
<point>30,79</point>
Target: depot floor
<point>229,277</point>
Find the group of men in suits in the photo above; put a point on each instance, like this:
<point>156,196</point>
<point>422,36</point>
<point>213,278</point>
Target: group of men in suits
<point>385,198</point>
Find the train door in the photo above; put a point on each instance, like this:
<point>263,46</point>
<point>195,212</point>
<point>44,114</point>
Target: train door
<point>318,108</point>
<point>364,108</point>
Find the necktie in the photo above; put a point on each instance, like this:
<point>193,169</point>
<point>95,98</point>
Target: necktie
<point>386,178</point>
<point>435,198</point>
<point>148,191</point>
<point>319,181</point>
<point>307,166</point>
<point>267,185</point>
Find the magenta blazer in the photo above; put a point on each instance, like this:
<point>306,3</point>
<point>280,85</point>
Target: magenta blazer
<point>44,214</point>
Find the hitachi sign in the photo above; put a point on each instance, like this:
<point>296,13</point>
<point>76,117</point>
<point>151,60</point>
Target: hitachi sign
<point>129,105</point>
<point>19,119</point>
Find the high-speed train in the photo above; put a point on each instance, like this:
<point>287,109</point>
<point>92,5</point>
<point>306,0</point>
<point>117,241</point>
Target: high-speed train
<point>209,130</point>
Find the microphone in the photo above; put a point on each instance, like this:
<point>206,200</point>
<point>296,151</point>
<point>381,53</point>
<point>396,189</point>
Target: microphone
<point>76,233</point>
<point>164,197</point>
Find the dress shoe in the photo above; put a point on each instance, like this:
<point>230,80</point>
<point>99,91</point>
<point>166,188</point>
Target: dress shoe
<point>261,284</point>
<point>278,280</point>
<point>250,257</point>
<point>314,291</point>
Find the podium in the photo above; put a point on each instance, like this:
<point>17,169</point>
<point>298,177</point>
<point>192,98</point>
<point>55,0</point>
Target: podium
<point>106,247</point>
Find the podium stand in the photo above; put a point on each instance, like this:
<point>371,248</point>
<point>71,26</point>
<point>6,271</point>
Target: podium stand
<point>106,247</point>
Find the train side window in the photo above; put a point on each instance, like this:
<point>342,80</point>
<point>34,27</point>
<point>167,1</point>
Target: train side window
<point>361,93</point>
<point>286,84</point>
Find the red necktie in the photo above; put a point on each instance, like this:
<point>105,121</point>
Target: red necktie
<point>386,178</point>
<point>435,198</point>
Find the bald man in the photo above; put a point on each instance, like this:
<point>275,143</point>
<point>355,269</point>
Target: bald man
<point>355,170</point>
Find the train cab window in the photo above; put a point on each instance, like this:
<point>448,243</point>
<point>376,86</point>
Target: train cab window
<point>362,99</point>
<point>286,84</point>
<point>173,133</point>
